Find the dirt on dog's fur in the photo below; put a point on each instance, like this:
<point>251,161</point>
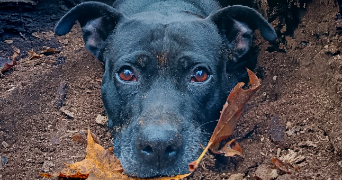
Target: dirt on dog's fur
<point>297,111</point>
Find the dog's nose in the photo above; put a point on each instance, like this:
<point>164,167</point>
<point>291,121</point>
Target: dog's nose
<point>159,145</point>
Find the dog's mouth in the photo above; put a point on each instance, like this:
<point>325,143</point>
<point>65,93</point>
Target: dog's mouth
<point>158,151</point>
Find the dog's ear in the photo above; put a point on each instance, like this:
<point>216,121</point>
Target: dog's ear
<point>236,25</point>
<point>97,20</point>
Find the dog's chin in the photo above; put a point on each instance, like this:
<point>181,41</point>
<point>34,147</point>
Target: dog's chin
<point>125,150</point>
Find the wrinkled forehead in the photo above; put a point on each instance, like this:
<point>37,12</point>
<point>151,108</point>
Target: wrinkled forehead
<point>198,37</point>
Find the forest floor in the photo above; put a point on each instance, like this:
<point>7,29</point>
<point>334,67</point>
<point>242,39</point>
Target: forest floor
<point>296,115</point>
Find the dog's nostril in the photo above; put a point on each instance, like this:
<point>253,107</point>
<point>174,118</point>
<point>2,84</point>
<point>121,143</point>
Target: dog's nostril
<point>170,151</point>
<point>147,150</point>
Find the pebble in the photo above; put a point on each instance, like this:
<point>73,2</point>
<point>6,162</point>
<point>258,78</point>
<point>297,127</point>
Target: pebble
<point>5,144</point>
<point>278,152</point>
<point>339,163</point>
<point>101,119</point>
<point>275,78</point>
<point>266,173</point>
<point>288,125</point>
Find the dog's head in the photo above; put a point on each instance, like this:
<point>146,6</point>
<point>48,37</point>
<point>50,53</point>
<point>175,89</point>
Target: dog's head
<point>165,81</point>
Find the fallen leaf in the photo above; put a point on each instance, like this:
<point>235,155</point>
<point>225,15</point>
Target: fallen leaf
<point>33,55</point>
<point>6,64</point>
<point>280,165</point>
<point>48,51</point>
<point>230,114</point>
<point>101,163</point>
<point>230,149</point>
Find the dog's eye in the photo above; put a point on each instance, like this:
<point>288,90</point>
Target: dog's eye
<point>127,75</point>
<point>199,75</point>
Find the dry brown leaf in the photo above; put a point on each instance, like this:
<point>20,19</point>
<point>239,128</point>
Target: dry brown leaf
<point>280,165</point>
<point>6,64</point>
<point>101,163</point>
<point>230,149</point>
<point>33,55</point>
<point>230,114</point>
<point>48,51</point>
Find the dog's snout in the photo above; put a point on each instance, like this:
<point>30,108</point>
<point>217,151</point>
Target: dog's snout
<point>159,145</point>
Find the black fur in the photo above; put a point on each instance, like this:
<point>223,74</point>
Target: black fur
<point>163,117</point>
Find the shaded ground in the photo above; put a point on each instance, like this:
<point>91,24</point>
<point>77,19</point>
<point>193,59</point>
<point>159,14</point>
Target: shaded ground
<point>297,111</point>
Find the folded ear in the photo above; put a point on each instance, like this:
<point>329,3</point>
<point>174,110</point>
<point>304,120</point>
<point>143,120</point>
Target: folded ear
<point>97,20</point>
<point>236,25</point>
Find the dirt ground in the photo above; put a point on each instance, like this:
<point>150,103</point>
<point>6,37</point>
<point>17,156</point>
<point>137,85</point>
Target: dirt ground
<point>296,115</point>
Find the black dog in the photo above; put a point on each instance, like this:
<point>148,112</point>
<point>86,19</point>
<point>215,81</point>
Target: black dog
<point>169,67</point>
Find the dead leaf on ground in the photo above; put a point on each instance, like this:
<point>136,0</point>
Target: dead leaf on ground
<point>46,51</point>
<point>280,165</point>
<point>6,64</point>
<point>230,149</point>
<point>49,51</point>
<point>101,163</point>
<point>33,55</point>
<point>230,114</point>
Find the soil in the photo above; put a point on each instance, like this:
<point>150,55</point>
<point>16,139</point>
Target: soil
<point>296,115</point>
